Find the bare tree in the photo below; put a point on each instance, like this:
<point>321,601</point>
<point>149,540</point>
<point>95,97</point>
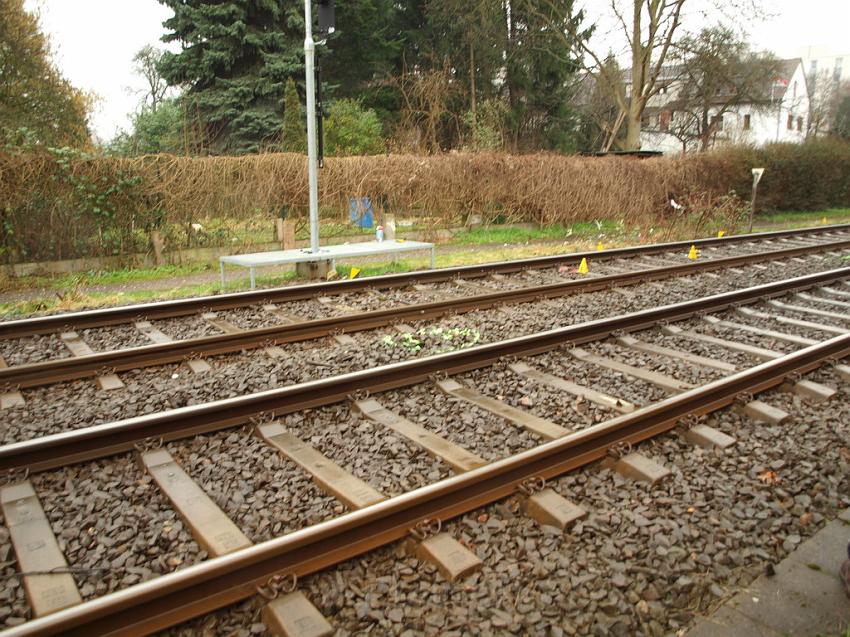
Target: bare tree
<point>146,63</point>
<point>649,31</point>
<point>601,114</point>
<point>717,72</point>
<point>840,125</point>
<point>426,118</point>
<point>825,94</point>
<point>650,28</point>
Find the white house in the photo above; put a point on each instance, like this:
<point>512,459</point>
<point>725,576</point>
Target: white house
<point>782,118</point>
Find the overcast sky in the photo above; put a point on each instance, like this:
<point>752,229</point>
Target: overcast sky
<point>95,40</point>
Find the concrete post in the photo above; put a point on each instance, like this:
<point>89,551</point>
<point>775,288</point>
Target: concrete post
<point>389,227</point>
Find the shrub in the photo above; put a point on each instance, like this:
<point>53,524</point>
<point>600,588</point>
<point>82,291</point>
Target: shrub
<point>352,130</point>
<point>61,205</point>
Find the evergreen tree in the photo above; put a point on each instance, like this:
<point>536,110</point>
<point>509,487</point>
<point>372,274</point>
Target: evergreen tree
<point>540,73</point>
<point>364,47</point>
<point>235,60</point>
<point>36,102</point>
<point>294,123</point>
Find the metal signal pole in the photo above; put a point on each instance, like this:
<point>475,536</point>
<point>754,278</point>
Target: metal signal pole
<point>312,153</point>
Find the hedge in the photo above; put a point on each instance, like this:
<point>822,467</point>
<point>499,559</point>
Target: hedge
<point>60,204</point>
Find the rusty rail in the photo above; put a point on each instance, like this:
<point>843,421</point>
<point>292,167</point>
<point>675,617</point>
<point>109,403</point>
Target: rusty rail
<point>106,439</point>
<point>179,596</point>
<point>183,307</point>
<point>63,369</point>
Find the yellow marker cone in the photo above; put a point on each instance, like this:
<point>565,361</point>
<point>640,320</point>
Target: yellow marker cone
<point>582,267</point>
<point>823,221</point>
<point>354,272</point>
<point>720,234</point>
<point>693,254</point>
<point>600,247</point>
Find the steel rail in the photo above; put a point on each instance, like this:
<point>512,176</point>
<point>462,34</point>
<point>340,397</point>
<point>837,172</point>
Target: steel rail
<point>182,595</point>
<point>182,307</point>
<point>109,438</point>
<point>75,367</point>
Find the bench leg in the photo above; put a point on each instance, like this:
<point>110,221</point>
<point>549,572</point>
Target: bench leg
<point>253,278</point>
<point>221,263</point>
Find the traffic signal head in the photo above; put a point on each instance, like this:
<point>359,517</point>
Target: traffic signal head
<point>326,16</point>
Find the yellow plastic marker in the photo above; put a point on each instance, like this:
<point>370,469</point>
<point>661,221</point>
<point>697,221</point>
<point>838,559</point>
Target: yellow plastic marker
<point>353,273</point>
<point>823,221</point>
<point>599,246</point>
<point>720,234</point>
<point>693,254</point>
<point>582,268</point>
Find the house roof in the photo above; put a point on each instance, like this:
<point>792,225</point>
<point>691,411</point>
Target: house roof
<point>787,68</point>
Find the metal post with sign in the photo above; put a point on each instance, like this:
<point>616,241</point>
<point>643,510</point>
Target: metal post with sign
<point>757,173</point>
<point>326,18</point>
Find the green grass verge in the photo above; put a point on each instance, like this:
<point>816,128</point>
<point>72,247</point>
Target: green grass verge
<point>106,277</point>
<point>801,219</point>
<point>516,234</point>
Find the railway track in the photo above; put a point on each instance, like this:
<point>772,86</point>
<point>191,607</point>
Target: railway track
<point>105,366</point>
<point>291,294</point>
<point>775,332</point>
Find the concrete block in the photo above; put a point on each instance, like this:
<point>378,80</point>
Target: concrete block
<point>708,437</point>
<point>638,467</point>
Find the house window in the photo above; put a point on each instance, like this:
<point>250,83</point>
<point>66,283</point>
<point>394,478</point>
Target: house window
<point>720,123</point>
<point>794,94</point>
<point>746,122</point>
<point>800,124</point>
<point>664,121</point>
<point>790,122</point>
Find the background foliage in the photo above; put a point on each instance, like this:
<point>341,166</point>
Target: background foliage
<point>37,104</point>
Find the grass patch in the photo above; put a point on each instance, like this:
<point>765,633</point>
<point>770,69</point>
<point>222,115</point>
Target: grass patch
<point>487,235</point>
<point>801,219</point>
<point>106,277</point>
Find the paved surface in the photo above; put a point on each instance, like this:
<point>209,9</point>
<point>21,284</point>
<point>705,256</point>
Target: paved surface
<point>804,598</point>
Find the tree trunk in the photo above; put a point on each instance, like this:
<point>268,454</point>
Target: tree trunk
<point>638,72</point>
<point>472,105</point>
<point>633,125</point>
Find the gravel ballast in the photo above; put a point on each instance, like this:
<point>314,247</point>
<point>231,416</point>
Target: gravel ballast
<point>645,561</point>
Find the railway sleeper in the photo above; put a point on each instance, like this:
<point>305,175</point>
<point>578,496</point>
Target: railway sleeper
<point>10,397</point>
<point>292,614</point>
<point>195,365</point>
<point>451,558</point>
<point>48,583</point>
<point>78,347</point>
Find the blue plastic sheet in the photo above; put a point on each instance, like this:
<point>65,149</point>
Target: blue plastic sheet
<point>360,212</point>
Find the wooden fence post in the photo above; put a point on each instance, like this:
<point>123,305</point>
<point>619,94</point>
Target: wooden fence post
<point>286,233</point>
<point>156,241</point>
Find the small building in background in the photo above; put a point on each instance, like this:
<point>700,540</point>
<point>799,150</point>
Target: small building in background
<point>781,116</point>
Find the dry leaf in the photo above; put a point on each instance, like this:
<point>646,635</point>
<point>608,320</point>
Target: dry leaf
<point>770,477</point>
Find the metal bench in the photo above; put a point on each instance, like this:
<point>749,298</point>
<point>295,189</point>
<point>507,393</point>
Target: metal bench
<point>331,253</point>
